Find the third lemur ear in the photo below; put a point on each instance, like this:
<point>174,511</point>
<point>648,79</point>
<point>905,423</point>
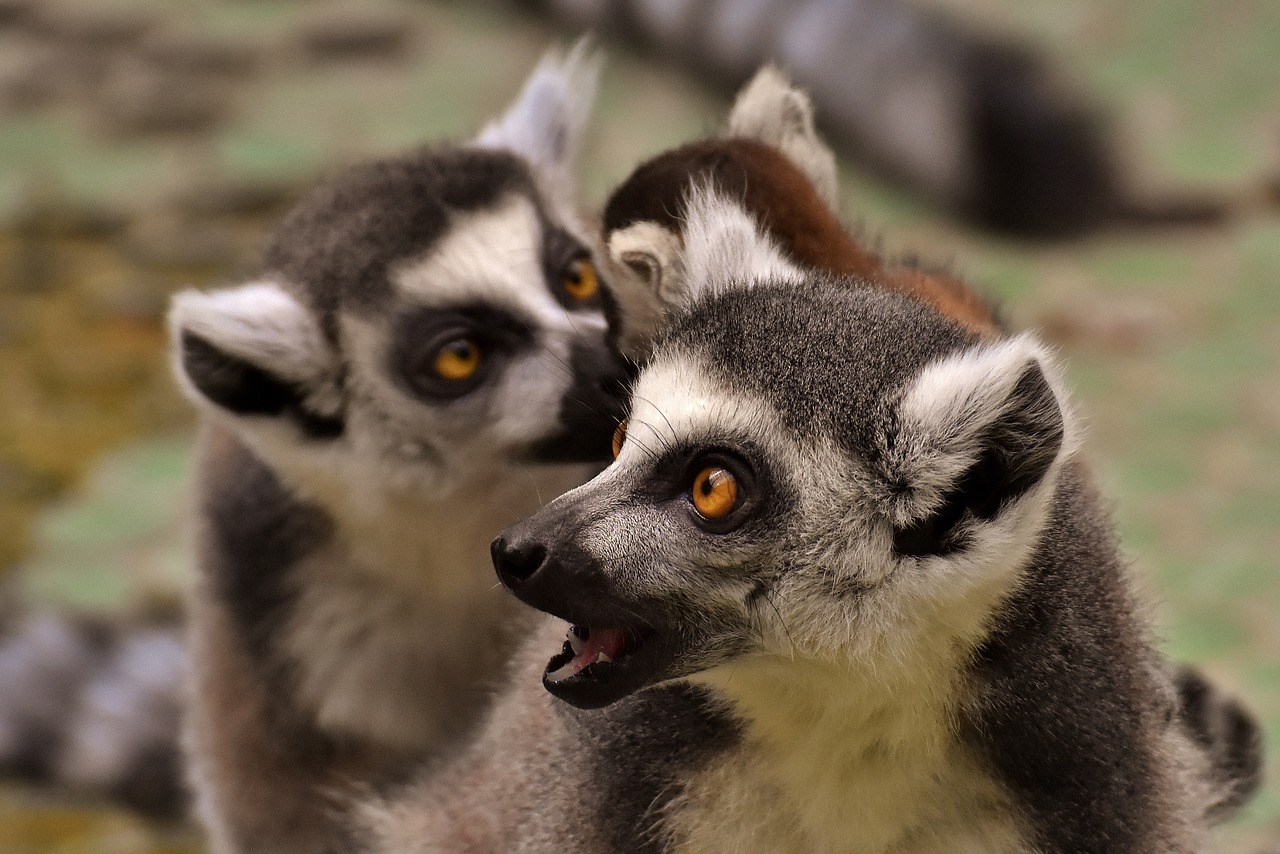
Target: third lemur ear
<point>974,433</point>
<point>657,273</point>
<point>774,111</point>
<point>255,351</point>
<point>549,118</point>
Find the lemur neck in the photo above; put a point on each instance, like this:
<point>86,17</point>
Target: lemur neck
<point>397,528</point>
<point>834,759</point>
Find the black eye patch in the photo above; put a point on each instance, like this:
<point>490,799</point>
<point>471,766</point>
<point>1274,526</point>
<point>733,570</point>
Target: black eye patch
<point>562,258</point>
<point>426,343</point>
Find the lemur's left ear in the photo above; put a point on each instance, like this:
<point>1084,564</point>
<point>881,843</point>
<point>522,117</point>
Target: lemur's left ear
<point>657,274</point>
<point>973,433</point>
<point>773,110</point>
<point>255,355</point>
<point>547,121</point>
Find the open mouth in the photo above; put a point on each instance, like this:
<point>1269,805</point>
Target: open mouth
<point>597,666</point>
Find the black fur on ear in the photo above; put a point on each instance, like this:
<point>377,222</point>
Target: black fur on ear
<point>1015,453</point>
<point>256,351</point>
<point>243,388</point>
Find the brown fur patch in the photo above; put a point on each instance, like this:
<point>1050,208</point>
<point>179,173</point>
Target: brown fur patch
<point>773,189</point>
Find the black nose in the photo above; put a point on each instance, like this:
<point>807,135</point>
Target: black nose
<point>516,563</point>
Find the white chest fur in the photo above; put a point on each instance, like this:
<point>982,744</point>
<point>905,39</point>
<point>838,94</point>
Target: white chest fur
<point>835,763</point>
<point>399,623</point>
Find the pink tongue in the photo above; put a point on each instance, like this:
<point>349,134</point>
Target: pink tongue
<point>609,641</point>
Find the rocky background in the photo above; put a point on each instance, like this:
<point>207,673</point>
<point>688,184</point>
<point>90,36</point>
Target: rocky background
<point>148,145</point>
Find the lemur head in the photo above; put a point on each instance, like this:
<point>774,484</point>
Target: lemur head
<point>812,468</point>
<point>771,159</point>
<point>426,318</point>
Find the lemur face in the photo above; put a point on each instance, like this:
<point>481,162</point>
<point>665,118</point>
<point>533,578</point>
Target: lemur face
<point>811,468</point>
<point>425,320</point>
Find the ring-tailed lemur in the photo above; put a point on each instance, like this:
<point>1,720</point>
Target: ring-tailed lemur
<point>979,125</point>
<point>422,360</point>
<point>771,158</point>
<point>845,588</point>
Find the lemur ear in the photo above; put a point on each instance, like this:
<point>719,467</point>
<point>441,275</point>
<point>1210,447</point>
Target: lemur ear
<point>548,119</point>
<point>657,274</point>
<point>974,433</point>
<point>773,110</point>
<point>255,351</point>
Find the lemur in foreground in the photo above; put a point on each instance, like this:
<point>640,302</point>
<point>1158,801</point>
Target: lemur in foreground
<point>421,361</point>
<point>845,588</point>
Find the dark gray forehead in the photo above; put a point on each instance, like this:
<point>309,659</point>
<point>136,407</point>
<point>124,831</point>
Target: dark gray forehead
<point>337,244</point>
<point>831,356</point>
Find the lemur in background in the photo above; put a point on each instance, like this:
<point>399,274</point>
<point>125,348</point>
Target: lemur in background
<point>421,361</point>
<point>981,126</point>
<point>846,588</point>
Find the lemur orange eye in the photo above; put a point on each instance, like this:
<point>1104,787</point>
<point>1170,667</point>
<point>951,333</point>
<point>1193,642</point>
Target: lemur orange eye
<point>580,280</point>
<point>619,436</point>
<point>715,493</point>
<point>457,360</point>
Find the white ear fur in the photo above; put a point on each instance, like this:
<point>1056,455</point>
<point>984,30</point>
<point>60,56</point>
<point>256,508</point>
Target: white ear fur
<point>646,279</point>
<point>547,121</point>
<point>948,411</point>
<point>655,277</point>
<point>260,324</point>
<point>774,111</point>
<point>725,249</point>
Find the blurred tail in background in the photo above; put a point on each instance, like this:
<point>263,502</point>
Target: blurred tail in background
<point>93,705</point>
<point>986,129</point>
<point>1230,737</point>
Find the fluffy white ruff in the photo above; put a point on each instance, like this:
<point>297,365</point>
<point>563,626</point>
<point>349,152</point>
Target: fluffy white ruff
<point>725,249</point>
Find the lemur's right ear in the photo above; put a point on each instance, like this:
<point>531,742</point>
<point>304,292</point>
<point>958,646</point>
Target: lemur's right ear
<point>657,274</point>
<point>973,434</point>
<point>774,111</point>
<point>547,122</point>
<point>255,351</point>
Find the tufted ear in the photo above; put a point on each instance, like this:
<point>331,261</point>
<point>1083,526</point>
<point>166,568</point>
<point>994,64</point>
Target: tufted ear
<point>974,433</point>
<point>774,111</point>
<point>656,274</point>
<point>256,352</point>
<point>549,118</point>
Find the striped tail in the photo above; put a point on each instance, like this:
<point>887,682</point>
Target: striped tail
<point>988,129</point>
<point>95,706</point>
<point>1229,737</point>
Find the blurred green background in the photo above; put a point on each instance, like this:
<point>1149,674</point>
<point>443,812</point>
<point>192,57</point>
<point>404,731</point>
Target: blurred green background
<point>148,145</point>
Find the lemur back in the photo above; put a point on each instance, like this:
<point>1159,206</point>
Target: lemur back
<point>846,588</point>
<point>421,361</point>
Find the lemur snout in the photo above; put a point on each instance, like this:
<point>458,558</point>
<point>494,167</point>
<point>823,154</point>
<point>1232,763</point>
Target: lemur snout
<point>516,562</point>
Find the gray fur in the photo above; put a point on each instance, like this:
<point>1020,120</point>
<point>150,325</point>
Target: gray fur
<point>345,623</point>
<point>912,633</point>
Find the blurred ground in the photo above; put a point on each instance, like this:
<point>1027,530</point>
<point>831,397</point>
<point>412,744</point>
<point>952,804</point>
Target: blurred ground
<point>147,145</point>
